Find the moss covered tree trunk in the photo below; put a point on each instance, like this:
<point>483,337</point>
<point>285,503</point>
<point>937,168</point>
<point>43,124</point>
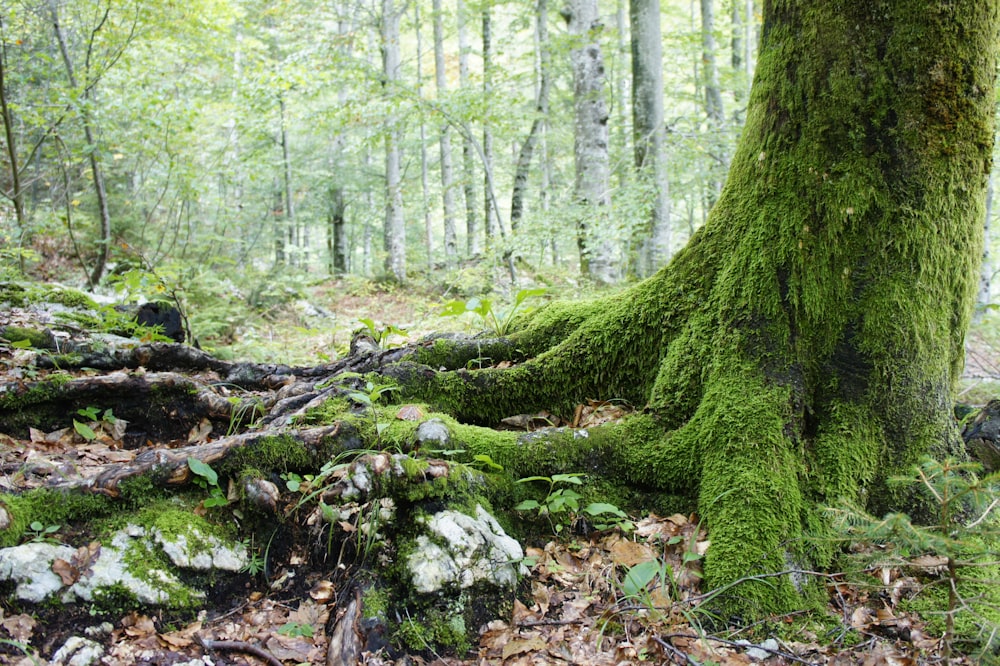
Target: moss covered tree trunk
<point>805,345</point>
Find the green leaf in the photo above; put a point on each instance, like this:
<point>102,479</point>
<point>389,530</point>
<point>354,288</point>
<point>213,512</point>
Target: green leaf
<point>568,478</point>
<point>599,508</point>
<point>21,344</point>
<point>639,576</point>
<point>527,505</point>
<point>203,470</point>
<point>529,479</point>
<point>487,461</point>
<point>84,431</point>
<point>525,294</point>
<point>453,309</point>
<point>90,413</point>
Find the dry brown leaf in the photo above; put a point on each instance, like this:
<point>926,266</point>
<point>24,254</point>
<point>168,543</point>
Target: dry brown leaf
<point>200,432</point>
<point>410,413</point>
<point>138,626</point>
<point>287,648</point>
<point>322,591</point>
<point>67,573</point>
<point>20,627</point>
<point>315,615</point>
<point>523,645</point>
<point>630,553</point>
<point>175,640</point>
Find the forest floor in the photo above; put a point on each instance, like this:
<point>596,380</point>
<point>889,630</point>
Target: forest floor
<point>577,607</point>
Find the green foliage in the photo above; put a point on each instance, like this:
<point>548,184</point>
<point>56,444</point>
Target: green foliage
<point>296,630</point>
<point>498,321</point>
<point>561,505</point>
<point>965,536</point>
<point>206,478</point>
<point>382,335</point>
<point>40,533</point>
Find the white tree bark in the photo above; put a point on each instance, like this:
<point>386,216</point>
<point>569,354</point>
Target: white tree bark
<point>473,245</point>
<point>447,177</point>
<point>395,225</point>
<point>590,144</point>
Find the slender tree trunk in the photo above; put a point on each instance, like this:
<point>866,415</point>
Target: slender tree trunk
<point>491,214</point>
<point>468,150</point>
<point>292,253</point>
<point>16,194</point>
<point>647,123</point>
<point>542,66</point>
<point>395,225</point>
<point>620,85</point>
<point>278,222</point>
<point>590,146</point>
<point>93,153</point>
<point>447,177</point>
<point>424,187</point>
<point>719,160</point>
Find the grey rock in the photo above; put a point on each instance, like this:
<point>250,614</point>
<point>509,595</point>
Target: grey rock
<point>464,550</point>
<point>77,651</point>
<point>433,430</point>
<point>30,566</point>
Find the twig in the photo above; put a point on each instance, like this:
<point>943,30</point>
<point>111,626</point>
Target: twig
<point>675,652</point>
<point>237,646</point>
<point>786,655</point>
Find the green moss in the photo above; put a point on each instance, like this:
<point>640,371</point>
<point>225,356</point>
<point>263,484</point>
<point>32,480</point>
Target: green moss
<point>435,630</point>
<point>269,454</point>
<point>39,339</point>
<point>49,507</point>
<point>376,602</point>
<point>23,295</point>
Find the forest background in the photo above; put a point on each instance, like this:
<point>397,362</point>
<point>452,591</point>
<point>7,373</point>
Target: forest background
<point>240,153</point>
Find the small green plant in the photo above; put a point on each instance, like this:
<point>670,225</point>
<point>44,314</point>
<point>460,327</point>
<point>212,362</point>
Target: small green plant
<point>94,419</point>
<point>498,321</point>
<point>206,478</point>
<point>296,630</point>
<point>607,516</point>
<point>39,532</point>
<point>382,335</point>
<point>557,501</point>
<point>256,562</point>
<point>964,538</point>
<point>370,396</point>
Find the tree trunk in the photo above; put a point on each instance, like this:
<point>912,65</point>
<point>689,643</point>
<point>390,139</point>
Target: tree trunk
<point>447,179</point>
<point>16,194</point>
<point>286,175</point>
<point>590,146</point>
<point>718,159</point>
<point>802,349</point>
<point>424,187</point>
<point>468,150</point>
<point>524,156</point>
<point>647,125</point>
<point>395,224</point>
<point>93,154</point>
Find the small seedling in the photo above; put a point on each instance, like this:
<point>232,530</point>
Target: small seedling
<point>206,478</point>
<point>296,630</point>
<point>41,533</point>
<point>382,335</point>
<point>497,321</point>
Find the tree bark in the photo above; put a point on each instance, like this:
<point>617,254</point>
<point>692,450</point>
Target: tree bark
<point>524,156</point>
<point>647,124</point>
<point>590,144</point>
<point>473,244</point>
<point>93,154</point>
<point>16,194</point>
<point>447,177</point>
<point>718,159</point>
<point>802,349</point>
<point>395,224</point>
